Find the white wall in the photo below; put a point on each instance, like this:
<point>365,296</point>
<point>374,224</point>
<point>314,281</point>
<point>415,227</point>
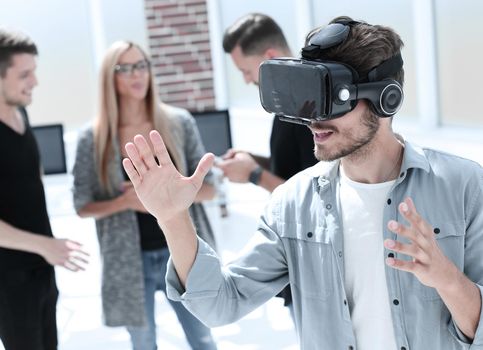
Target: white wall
<point>71,37</point>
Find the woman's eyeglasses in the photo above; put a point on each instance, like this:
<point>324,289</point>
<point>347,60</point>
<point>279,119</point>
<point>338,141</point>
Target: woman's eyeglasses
<point>127,69</point>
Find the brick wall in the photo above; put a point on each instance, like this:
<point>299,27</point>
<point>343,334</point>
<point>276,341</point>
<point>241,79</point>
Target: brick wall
<point>179,44</point>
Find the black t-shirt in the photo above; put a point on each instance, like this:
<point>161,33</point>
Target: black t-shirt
<point>151,235</point>
<point>291,148</point>
<point>22,197</point>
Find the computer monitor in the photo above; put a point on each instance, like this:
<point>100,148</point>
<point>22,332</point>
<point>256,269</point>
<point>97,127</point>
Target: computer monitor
<point>214,127</point>
<point>50,139</point>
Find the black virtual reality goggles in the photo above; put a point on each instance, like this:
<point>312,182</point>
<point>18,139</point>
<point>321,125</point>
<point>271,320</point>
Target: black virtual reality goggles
<point>309,89</point>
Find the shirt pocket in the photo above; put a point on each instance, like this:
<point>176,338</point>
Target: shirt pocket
<point>310,260</point>
<point>450,238</point>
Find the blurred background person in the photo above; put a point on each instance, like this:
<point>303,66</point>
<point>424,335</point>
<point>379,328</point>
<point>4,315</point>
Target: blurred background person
<point>133,248</point>
<point>251,40</point>
<point>28,251</point>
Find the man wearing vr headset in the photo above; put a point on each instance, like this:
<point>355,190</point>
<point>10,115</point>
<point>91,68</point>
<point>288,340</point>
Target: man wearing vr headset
<point>382,245</point>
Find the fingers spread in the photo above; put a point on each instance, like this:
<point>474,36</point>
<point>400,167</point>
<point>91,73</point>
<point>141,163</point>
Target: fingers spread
<point>411,250</point>
<point>131,172</point>
<point>135,158</point>
<point>81,259</point>
<point>402,265</point>
<point>76,247</point>
<point>408,232</point>
<point>72,266</point>
<point>408,210</point>
<point>160,148</point>
<point>145,151</point>
<point>202,169</point>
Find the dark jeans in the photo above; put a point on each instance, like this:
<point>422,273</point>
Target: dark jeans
<point>28,302</point>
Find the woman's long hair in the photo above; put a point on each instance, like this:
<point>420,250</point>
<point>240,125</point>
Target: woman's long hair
<point>106,123</point>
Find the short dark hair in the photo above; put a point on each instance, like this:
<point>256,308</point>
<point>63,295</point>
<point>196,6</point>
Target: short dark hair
<point>366,47</point>
<point>254,33</point>
<point>12,43</point>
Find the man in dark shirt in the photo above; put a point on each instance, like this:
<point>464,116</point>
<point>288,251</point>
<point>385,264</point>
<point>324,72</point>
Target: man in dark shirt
<point>28,292</point>
<point>251,40</point>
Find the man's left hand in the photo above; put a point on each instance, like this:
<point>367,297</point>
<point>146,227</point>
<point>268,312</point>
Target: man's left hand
<point>429,264</point>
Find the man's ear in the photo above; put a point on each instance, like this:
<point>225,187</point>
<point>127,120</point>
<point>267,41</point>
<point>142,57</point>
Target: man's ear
<point>271,53</point>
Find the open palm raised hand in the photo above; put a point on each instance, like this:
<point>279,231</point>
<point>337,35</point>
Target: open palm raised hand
<point>163,191</point>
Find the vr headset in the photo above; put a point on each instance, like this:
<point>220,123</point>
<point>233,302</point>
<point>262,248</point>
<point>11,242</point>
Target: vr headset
<point>310,89</point>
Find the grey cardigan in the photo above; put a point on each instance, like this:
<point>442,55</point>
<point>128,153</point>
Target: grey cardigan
<point>118,234</point>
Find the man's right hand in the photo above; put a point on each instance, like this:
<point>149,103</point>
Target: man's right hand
<point>163,191</point>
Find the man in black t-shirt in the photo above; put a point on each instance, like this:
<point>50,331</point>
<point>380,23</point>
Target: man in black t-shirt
<point>251,40</point>
<point>28,292</point>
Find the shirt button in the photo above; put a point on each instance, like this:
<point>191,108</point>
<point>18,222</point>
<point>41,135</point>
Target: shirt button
<point>402,174</point>
<point>389,201</point>
<point>345,302</point>
<point>329,206</point>
<point>395,302</point>
<point>340,254</point>
<point>351,347</point>
<point>390,255</point>
<point>403,348</point>
<point>436,230</point>
<point>309,234</point>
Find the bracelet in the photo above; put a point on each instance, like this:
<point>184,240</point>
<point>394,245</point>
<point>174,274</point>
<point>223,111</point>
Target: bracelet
<point>255,175</point>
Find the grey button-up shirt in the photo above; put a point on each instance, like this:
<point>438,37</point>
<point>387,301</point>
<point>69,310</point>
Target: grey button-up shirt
<point>299,240</point>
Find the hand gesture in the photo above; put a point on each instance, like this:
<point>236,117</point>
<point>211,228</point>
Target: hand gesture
<point>429,264</point>
<point>163,191</point>
<point>65,253</point>
<point>229,154</point>
<point>238,167</point>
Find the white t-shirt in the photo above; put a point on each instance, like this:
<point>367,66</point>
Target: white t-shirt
<point>365,279</point>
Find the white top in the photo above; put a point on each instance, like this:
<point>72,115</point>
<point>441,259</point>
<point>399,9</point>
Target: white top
<point>365,279</point>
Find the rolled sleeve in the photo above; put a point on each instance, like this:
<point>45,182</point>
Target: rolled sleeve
<point>204,279</point>
<point>218,295</point>
<point>463,340</point>
<point>473,263</point>
<point>478,341</point>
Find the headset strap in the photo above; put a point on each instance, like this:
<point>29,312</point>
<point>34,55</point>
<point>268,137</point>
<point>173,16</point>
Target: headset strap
<point>386,69</point>
<point>335,34</point>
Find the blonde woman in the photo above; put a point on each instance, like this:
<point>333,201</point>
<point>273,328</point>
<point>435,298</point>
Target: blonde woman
<point>133,247</point>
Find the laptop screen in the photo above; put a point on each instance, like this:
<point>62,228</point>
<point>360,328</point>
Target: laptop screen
<point>214,127</point>
<point>50,140</point>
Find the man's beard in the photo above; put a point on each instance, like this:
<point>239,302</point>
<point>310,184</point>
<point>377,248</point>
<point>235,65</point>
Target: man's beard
<point>369,125</point>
